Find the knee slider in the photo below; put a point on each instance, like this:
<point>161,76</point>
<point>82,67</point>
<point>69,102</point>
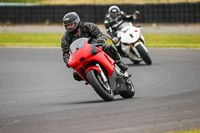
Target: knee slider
<point>76,76</point>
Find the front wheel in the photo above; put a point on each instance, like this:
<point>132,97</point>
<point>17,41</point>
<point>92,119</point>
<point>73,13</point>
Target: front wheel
<point>101,88</point>
<point>144,55</point>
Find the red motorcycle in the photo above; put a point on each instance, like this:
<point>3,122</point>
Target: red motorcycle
<point>99,70</point>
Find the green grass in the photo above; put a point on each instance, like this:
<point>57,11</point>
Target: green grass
<point>191,131</point>
<point>30,39</point>
<point>172,40</point>
<point>53,40</point>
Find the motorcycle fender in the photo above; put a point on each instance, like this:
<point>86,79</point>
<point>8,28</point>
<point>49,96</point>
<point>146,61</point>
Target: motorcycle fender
<point>136,51</point>
<point>93,67</point>
<point>140,43</point>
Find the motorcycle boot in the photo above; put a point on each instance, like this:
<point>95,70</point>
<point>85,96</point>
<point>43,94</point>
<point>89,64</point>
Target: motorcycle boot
<point>121,65</point>
<point>113,53</point>
<point>120,50</point>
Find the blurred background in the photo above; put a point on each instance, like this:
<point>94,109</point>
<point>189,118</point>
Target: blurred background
<point>39,95</point>
<point>45,16</point>
<point>52,11</point>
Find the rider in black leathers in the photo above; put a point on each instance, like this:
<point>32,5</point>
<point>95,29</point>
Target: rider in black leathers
<point>113,19</point>
<point>76,29</point>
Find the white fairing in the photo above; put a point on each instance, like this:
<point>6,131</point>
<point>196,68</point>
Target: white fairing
<point>129,34</point>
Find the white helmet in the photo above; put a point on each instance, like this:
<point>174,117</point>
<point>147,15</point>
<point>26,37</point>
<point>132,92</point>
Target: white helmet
<point>114,11</point>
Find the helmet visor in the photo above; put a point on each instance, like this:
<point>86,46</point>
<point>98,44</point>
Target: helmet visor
<point>114,15</point>
<point>70,26</point>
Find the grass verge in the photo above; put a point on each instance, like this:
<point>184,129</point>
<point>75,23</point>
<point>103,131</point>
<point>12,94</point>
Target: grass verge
<point>30,39</point>
<point>53,40</point>
<point>191,131</point>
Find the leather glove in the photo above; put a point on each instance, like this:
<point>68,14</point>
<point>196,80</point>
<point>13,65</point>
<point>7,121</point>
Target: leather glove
<point>100,42</point>
<point>136,14</point>
<point>115,40</point>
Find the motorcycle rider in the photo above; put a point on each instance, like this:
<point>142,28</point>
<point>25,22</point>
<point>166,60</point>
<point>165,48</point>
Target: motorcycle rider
<point>113,19</point>
<point>76,29</point>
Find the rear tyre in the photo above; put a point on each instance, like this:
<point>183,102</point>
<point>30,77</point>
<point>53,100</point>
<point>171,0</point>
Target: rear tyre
<point>144,55</point>
<point>100,87</point>
<point>130,90</point>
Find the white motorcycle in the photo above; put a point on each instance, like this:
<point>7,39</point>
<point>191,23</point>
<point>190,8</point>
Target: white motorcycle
<point>133,43</point>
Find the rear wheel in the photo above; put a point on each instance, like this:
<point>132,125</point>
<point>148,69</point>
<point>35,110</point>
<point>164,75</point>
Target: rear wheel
<point>102,88</point>
<point>130,90</point>
<point>144,55</point>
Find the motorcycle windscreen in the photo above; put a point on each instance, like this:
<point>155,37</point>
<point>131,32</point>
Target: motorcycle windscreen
<point>77,44</point>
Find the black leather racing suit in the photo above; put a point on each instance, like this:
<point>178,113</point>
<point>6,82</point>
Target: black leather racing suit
<point>112,25</point>
<point>88,30</point>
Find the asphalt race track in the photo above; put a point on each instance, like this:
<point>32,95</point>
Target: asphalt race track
<point>39,95</point>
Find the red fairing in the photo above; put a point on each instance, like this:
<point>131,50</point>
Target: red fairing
<point>74,60</point>
<point>105,60</point>
<point>83,57</point>
<point>93,67</point>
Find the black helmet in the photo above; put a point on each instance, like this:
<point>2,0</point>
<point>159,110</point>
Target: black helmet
<point>71,21</point>
<point>114,11</point>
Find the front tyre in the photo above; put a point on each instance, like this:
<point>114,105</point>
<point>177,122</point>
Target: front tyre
<point>130,90</point>
<point>99,86</point>
<point>144,55</point>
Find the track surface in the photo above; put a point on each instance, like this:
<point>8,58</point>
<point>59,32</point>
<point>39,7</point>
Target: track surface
<point>38,95</point>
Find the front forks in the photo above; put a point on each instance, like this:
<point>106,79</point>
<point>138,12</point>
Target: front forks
<point>133,46</point>
<point>104,78</point>
<point>102,74</point>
